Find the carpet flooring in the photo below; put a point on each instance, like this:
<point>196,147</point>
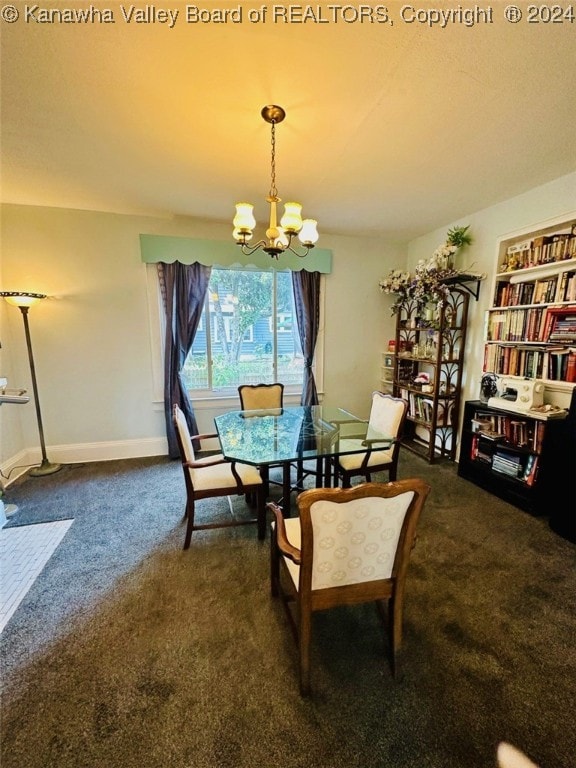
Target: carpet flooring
<point>129,652</point>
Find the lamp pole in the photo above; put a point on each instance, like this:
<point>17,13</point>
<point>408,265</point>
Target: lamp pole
<point>46,467</point>
<point>24,301</point>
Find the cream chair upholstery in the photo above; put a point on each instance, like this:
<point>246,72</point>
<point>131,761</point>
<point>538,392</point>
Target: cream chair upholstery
<point>510,757</point>
<point>346,546</point>
<point>387,415</point>
<point>257,397</point>
<point>215,476</point>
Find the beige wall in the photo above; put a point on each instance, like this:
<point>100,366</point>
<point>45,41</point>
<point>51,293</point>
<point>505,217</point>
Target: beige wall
<point>92,342</point>
<point>550,201</point>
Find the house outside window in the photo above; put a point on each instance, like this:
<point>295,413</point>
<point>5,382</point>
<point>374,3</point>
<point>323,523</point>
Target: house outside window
<point>248,334</point>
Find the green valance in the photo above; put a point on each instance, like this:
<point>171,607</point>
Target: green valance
<point>188,250</point>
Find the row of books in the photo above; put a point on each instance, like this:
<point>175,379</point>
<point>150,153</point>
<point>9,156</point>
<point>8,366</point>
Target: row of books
<point>562,364</point>
<point>546,291</point>
<point>543,249</point>
<point>555,364</point>
<point>540,324</point>
<point>563,329</point>
<point>507,463</point>
<point>421,408</point>
<point>513,465</point>
<point>515,361</point>
<point>520,467</point>
<point>522,433</point>
<point>560,321</point>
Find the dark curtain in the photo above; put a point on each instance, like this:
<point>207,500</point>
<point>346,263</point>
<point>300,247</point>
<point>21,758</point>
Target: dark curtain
<point>306,287</point>
<point>184,289</point>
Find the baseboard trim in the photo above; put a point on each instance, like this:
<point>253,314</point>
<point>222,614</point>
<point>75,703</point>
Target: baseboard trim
<point>80,453</point>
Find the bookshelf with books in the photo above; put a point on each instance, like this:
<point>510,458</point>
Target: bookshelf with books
<point>531,326</point>
<point>429,360</point>
<point>513,455</point>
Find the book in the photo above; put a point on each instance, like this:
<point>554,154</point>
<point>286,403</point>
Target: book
<point>530,470</point>
<point>490,434</point>
<point>558,365</point>
<point>571,366</point>
<point>507,463</point>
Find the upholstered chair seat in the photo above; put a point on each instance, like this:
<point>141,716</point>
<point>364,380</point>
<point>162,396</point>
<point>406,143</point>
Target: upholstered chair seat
<point>206,476</point>
<point>355,461</point>
<point>387,416</point>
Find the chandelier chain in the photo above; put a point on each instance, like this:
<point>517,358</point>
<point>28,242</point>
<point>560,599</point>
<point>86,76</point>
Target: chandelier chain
<point>281,230</point>
<point>273,190</point>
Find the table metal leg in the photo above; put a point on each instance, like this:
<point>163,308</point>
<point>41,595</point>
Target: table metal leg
<point>286,488</point>
<point>265,475</point>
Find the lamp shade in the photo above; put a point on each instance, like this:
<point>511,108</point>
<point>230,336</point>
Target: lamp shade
<point>308,235</point>
<point>244,220</point>
<point>22,298</point>
<point>291,221</point>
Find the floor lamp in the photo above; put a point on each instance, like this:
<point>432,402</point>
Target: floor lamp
<point>24,301</point>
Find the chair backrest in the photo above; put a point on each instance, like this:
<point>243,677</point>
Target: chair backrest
<point>256,397</point>
<point>359,534</point>
<point>387,414</point>
<point>183,435</point>
<point>511,757</point>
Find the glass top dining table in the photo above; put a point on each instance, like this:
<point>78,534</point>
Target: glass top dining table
<point>282,436</point>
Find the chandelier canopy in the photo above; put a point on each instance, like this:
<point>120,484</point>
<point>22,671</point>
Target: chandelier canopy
<point>278,237</point>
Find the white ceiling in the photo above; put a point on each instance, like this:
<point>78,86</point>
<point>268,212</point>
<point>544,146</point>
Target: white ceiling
<point>391,129</point>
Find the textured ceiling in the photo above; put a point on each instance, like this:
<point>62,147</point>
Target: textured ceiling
<point>392,129</point>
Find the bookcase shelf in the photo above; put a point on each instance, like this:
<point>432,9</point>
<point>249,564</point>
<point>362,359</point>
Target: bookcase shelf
<point>515,456</point>
<point>428,363</point>
<point>530,329</point>
<point>387,372</point>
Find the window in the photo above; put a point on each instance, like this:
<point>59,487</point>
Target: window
<point>248,333</point>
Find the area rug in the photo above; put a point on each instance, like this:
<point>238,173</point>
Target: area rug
<point>24,551</point>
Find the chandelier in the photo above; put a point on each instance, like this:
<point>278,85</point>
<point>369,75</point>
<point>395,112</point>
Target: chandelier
<point>278,238</point>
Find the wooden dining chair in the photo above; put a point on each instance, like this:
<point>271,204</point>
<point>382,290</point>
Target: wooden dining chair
<point>347,546</point>
<point>387,416</point>
<point>509,756</point>
<point>257,397</point>
<point>214,476</point>
<point>269,397</point>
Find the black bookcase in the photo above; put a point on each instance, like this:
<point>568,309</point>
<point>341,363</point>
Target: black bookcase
<point>524,460</point>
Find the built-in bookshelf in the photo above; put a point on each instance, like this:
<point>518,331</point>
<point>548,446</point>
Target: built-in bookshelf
<point>531,326</point>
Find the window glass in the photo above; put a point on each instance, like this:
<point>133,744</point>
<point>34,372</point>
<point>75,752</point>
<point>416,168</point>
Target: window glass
<point>248,333</point>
